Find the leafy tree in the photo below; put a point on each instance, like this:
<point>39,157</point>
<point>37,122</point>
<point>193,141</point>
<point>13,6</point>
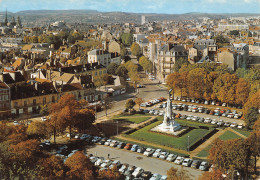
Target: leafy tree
<point>196,83</point>
<point>121,71</point>
<point>234,32</point>
<point>215,174</point>
<point>178,64</point>
<point>134,78</point>
<point>242,91</point>
<point>139,101</point>
<point>174,174</point>
<point>111,68</point>
<point>38,129</point>
<point>44,109</point>
<point>251,116</point>
<point>51,39</point>
<point>146,64</point>
<point>136,50</point>
<point>110,174</point>
<point>79,167</point>
<point>209,82</point>
<point>253,101</point>
<point>126,39</point>
<point>107,79</point>
<point>129,104</point>
<point>241,72</point>
<point>123,51</point>
<point>131,67</point>
<point>50,168</point>
<point>223,69</point>
<point>221,40</point>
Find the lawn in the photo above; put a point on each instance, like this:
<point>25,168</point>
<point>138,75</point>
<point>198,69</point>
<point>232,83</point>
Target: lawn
<point>204,152</point>
<point>166,140</point>
<point>135,120</point>
<point>229,135</point>
<point>245,133</point>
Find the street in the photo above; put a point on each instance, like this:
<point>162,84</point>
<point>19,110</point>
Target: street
<point>155,165</point>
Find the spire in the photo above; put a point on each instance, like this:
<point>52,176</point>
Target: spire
<point>6,21</point>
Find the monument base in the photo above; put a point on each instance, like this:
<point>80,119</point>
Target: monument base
<point>171,130</point>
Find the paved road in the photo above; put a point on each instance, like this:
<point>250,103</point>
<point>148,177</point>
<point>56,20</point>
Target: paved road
<point>154,165</point>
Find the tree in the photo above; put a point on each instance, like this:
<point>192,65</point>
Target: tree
<point>129,104</point>
<point>123,51</point>
<point>253,101</point>
<point>134,78</point>
<point>38,130</point>
<point>121,71</point>
<point>221,40</point>
<point>223,69</point>
<point>215,174</point>
<point>131,67</point>
<point>79,167</point>
<point>241,72</point>
<point>234,32</point>
<point>178,64</point>
<point>196,83</point>
<point>146,64</point>
<point>136,50</point>
<point>44,109</point>
<point>50,168</point>
<point>110,174</point>
<point>126,39</point>
<point>242,91</point>
<point>111,68</point>
<point>251,116</point>
<point>209,82</point>
<point>139,101</point>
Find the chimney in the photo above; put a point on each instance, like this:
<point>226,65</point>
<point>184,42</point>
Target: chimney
<point>54,84</point>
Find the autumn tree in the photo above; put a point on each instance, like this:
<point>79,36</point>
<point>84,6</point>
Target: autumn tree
<point>225,88</point>
<point>242,91</point>
<point>139,101</point>
<point>196,83</point>
<point>215,174</point>
<point>175,174</point>
<point>50,168</point>
<point>122,71</point>
<point>111,68</point>
<point>136,50</point>
<point>146,64</point>
<point>178,64</point>
<point>126,39</point>
<point>44,109</point>
<point>110,174</point>
<point>223,69</point>
<point>251,117</point>
<point>38,130</point>
<point>209,82</point>
<point>131,67</point>
<point>129,104</point>
<point>253,101</point>
<point>79,167</point>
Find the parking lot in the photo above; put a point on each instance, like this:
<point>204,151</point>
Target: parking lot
<point>154,165</point>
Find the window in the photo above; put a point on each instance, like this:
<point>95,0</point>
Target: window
<point>100,72</point>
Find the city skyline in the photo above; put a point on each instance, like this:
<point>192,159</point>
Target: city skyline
<point>135,6</point>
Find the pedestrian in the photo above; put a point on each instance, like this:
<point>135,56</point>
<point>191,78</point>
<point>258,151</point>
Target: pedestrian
<point>108,156</point>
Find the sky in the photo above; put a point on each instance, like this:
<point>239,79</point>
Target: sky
<point>137,6</point>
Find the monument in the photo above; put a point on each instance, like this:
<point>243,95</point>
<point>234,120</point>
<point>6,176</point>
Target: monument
<point>169,125</point>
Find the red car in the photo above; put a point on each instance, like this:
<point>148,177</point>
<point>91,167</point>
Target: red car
<point>128,146</point>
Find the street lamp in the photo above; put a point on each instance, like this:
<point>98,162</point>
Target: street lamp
<point>233,174</point>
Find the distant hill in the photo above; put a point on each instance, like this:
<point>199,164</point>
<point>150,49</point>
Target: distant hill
<point>43,17</point>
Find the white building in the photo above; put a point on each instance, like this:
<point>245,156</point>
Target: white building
<point>99,56</point>
<point>143,20</point>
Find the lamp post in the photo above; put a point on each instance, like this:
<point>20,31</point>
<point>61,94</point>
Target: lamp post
<point>233,174</point>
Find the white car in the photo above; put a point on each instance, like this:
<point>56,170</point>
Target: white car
<point>220,122</point>
<point>137,172</point>
<point>233,124</point>
<point>207,120</point>
<point>157,153</point>
<point>107,143</point>
<point>106,164</point>
<point>187,162</point>
<point>195,118</point>
<point>123,168</point>
<point>214,121</point>
<point>115,163</point>
<point>163,155</point>
<point>44,118</point>
<point>99,161</point>
<point>156,176</point>
<point>149,152</point>
<point>179,160</point>
<point>204,166</point>
<point>171,157</point>
<point>240,126</point>
<point>189,117</point>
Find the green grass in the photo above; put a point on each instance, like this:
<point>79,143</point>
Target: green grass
<point>204,152</point>
<point>135,120</point>
<point>245,133</point>
<point>166,140</point>
<point>229,135</point>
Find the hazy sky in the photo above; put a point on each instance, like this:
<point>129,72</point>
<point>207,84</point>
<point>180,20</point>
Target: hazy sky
<point>138,6</point>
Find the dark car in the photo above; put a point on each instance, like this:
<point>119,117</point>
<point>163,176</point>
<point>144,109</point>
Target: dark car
<point>129,170</point>
<point>146,111</point>
<point>146,175</point>
<point>211,112</point>
<point>140,149</point>
<point>196,164</point>
<point>102,141</point>
<point>121,145</point>
<point>206,111</point>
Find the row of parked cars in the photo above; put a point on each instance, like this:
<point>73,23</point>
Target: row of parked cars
<point>211,121</point>
<point>152,102</point>
<point>157,153</point>
<point>206,102</point>
<point>202,109</point>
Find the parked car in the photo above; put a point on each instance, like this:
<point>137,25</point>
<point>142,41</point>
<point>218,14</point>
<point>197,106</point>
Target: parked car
<point>220,123</point>
<point>163,155</point>
<point>129,170</point>
<point>187,162</point>
<point>230,115</point>
<point>115,163</point>
<point>224,104</point>
<point>183,117</point>
<point>206,111</point>
<point>113,143</point>
<point>207,120</point>
<point>128,146</point>
<point>149,152</point>
<point>137,172</point>
<point>107,143</point>
<point>140,149</point>
<point>99,161</point>
<point>123,168</point>
<point>134,147</point>
<point>102,141</point>
<point>171,157</point>
<point>164,177</point>
<point>227,124</point>
<point>211,112</point>
<point>214,121</point>
<point>233,124</point>
<point>146,175</point>
<point>204,166</point>
<point>179,160</point>
<point>157,153</point>
<point>189,117</point>
<point>44,118</point>
<point>156,176</point>
<point>121,145</point>
<point>240,126</point>
<point>196,164</point>
<point>195,118</point>
<point>93,159</point>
